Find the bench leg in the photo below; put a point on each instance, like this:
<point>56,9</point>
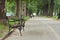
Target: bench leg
<point>20,29</point>
<point>20,33</point>
<point>23,28</point>
<point>9,29</point>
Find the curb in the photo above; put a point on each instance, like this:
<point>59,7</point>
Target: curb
<point>7,35</point>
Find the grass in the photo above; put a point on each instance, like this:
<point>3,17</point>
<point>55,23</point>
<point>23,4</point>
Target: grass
<point>46,16</point>
<point>55,17</point>
<point>3,30</point>
<point>26,18</point>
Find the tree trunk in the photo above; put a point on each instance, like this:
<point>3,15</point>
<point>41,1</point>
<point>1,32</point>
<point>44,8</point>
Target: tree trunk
<point>27,11</point>
<point>45,9</point>
<point>2,9</point>
<point>17,8</point>
<point>30,12</point>
<point>2,12</point>
<point>51,8</point>
<point>38,9</point>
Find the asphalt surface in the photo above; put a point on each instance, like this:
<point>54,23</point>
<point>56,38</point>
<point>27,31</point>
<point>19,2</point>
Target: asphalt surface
<point>38,28</point>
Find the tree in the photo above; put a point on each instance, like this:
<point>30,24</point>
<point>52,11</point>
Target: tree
<point>56,8</point>
<point>17,7</point>
<point>2,9</point>
<point>2,12</point>
<point>51,7</point>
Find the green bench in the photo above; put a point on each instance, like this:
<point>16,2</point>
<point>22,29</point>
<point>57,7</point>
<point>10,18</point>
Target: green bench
<point>16,23</point>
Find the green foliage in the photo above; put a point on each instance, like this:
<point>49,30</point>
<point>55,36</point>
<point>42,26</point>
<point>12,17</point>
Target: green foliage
<point>36,4</point>
<point>56,7</point>
<point>10,5</point>
<point>57,4</point>
<point>41,3</point>
<point>32,4</point>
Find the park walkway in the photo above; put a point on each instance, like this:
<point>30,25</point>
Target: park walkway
<point>38,28</point>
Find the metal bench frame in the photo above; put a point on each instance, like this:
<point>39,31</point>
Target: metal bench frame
<point>20,25</point>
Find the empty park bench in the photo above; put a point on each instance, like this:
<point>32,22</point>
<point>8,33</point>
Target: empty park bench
<point>20,24</point>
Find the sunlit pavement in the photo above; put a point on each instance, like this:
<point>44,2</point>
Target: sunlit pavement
<point>38,28</point>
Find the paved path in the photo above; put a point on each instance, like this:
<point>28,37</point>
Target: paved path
<point>38,28</point>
